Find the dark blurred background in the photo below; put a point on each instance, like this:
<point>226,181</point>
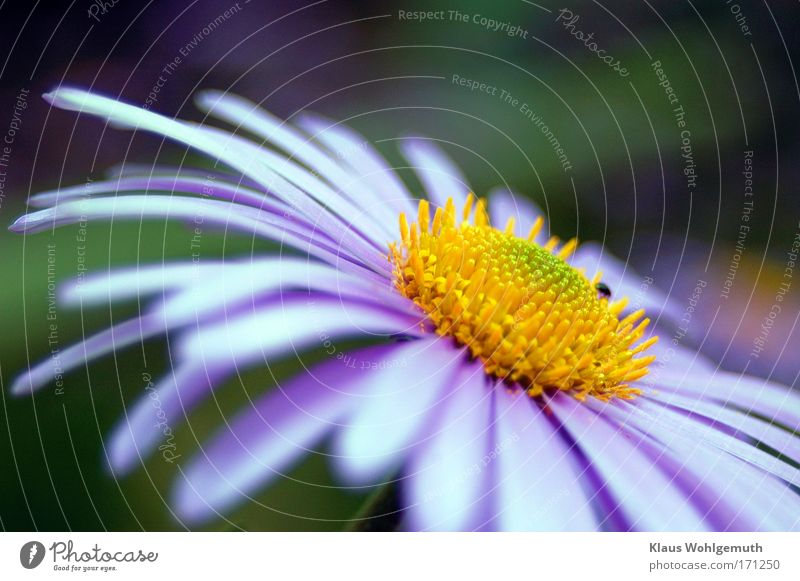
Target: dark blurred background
<point>730,65</point>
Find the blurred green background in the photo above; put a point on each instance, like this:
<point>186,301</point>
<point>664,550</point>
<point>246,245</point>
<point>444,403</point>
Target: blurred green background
<point>389,76</point>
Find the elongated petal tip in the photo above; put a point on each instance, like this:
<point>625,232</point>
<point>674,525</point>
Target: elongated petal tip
<point>20,224</point>
<point>21,386</point>
<point>123,456</point>
<point>189,505</point>
<point>203,492</point>
<point>17,226</point>
<point>33,222</point>
<point>207,99</point>
<point>65,98</point>
<point>32,380</point>
<point>43,199</point>
<point>207,94</point>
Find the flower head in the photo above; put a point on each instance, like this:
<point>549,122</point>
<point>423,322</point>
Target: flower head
<point>530,317</point>
<point>507,386</point>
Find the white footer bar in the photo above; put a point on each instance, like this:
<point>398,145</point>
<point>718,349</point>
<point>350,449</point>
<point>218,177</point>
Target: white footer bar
<point>332,556</point>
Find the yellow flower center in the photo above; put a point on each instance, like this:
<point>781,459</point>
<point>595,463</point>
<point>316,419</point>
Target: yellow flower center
<point>530,317</point>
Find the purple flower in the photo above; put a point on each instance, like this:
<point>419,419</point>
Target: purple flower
<point>504,388</point>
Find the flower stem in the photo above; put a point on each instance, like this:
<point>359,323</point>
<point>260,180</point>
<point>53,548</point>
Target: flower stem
<point>381,512</point>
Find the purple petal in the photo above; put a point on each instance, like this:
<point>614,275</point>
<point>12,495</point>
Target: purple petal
<point>294,184</point>
<point>263,442</point>
<point>665,418</point>
<point>648,499</point>
<point>172,184</point>
<point>250,335</point>
<point>537,472</point>
<point>734,423</point>
<point>750,394</point>
<point>155,416</point>
<point>209,355</point>
<point>252,277</point>
<point>448,486</point>
<point>244,283</point>
<point>505,204</point>
<point>674,359</point>
<point>128,169</point>
<point>140,281</point>
<point>236,152</point>
<point>440,177</point>
<point>624,281</point>
<point>367,165</point>
<point>212,292</point>
<point>404,393</point>
<point>732,494</point>
<point>243,113</point>
<point>214,213</point>
<point>108,341</point>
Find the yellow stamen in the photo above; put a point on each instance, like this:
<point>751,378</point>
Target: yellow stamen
<point>536,228</point>
<point>531,318</point>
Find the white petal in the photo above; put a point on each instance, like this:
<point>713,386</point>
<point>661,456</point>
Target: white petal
<point>266,440</point>
<point>119,336</point>
<point>538,475</point>
<point>368,166</point>
<point>505,204</point>
<point>203,364</point>
<point>733,495</point>
<point>776,402</point>
<point>213,213</point>
<point>403,394</point>
<point>648,498</point>
<point>243,284</point>
<point>232,150</point>
<point>440,177</point>
<point>447,486</point>
<point>243,113</point>
<point>254,334</point>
